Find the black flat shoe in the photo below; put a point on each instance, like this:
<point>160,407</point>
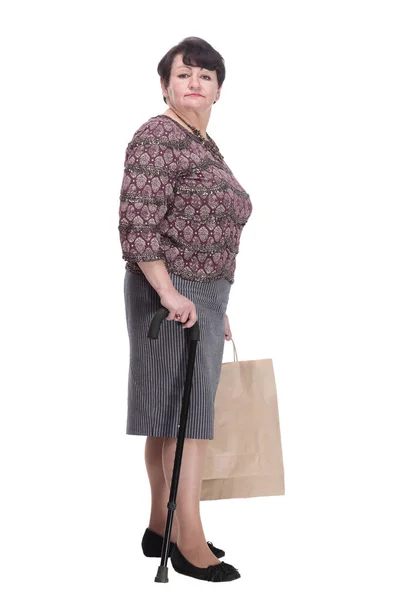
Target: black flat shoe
<point>152,545</point>
<point>221,572</point>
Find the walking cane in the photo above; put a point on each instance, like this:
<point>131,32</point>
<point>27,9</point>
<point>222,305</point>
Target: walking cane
<point>194,337</point>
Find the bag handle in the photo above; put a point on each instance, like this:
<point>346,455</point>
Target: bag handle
<point>235,355</point>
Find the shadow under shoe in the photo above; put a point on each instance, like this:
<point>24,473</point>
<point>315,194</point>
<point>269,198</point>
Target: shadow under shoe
<point>152,545</point>
<point>220,572</point>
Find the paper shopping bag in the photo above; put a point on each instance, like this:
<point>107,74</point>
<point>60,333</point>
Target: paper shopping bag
<point>245,457</point>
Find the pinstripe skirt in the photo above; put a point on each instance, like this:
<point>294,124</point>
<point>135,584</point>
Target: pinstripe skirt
<point>157,368</point>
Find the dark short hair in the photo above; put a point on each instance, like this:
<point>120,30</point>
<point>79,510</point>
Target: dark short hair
<point>196,53</point>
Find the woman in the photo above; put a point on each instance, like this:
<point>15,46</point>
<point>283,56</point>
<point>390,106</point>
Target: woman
<point>180,220</point>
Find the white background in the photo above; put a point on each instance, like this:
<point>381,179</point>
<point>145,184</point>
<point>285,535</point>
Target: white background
<point>308,121</point>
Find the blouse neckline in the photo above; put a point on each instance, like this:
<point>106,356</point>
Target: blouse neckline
<point>191,133</point>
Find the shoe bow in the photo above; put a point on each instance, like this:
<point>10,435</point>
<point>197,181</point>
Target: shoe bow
<point>216,572</point>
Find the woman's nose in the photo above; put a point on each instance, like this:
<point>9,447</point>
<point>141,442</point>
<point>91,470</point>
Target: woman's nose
<point>194,82</point>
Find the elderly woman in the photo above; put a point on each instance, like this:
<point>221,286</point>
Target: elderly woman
<point>180,220</point>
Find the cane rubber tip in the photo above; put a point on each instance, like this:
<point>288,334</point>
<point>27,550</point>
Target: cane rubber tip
<point>162,575</point>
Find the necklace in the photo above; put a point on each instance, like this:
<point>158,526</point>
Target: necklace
<point>207,143</point>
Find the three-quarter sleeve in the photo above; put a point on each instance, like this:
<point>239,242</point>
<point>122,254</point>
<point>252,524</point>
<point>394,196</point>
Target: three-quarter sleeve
<point>147,188</point>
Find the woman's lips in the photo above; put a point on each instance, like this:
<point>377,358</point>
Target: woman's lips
<point>195,95</point>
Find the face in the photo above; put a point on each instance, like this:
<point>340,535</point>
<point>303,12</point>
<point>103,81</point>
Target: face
<point>186,81</point>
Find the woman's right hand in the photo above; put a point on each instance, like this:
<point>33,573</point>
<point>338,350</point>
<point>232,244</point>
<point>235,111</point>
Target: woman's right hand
<point>178,304</point>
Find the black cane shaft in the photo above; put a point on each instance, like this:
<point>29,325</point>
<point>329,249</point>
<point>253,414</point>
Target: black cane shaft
<point>178,453</point>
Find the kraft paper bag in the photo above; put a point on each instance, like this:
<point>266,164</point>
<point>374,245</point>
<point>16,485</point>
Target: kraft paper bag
<point>244,459</point>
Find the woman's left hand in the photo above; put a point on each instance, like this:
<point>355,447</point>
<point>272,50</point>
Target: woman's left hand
<point>228,333</point>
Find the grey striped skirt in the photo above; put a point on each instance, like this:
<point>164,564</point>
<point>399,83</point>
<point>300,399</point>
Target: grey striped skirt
<point>157,368</point>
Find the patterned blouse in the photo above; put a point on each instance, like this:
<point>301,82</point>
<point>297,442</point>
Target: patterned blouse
<point>179,203</point>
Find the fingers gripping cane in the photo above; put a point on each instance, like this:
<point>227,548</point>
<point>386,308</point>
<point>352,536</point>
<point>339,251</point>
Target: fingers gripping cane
<point>194,337</point>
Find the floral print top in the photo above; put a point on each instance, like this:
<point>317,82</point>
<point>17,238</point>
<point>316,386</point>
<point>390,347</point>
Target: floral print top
<point>179,203</point>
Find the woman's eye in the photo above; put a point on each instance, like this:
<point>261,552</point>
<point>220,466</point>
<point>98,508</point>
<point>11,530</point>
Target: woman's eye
<point>184,74</point>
